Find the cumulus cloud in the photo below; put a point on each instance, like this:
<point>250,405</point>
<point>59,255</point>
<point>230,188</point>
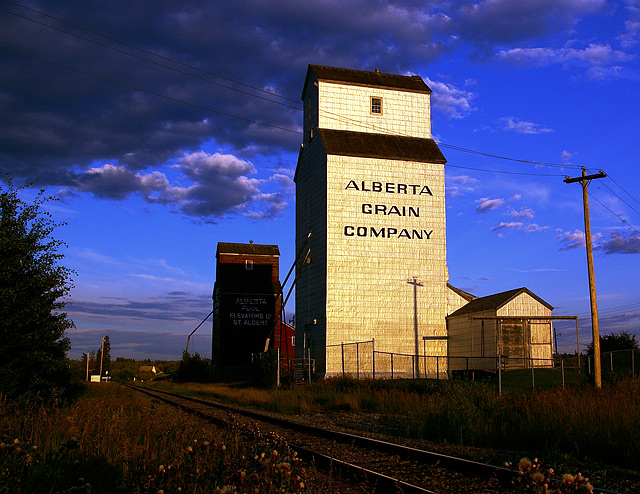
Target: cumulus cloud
<point>453,102</point>
<point>523,213</point>
<point>621,244</point>
<point>56,121</point>
<point>459,185</point>
<point>518,226</point>
<point>218,184</point>
<point>485,204</point>
<point>571,240</point>
<point>512,124</point>
<point>616,243</point>
<point>577,239</point>
<point>600,59</point>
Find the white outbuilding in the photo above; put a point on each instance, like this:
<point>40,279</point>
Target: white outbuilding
<point>514,326</point>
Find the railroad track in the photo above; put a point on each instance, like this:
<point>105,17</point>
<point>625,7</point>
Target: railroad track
<point>388,466</point>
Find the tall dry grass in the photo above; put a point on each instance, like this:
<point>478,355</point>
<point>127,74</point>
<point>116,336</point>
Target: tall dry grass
<point>113,440</point>
<point>580,420</point>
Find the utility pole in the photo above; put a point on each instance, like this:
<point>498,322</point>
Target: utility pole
<point>595,330</point>
<point>414,281</point>
<point>101,357</point>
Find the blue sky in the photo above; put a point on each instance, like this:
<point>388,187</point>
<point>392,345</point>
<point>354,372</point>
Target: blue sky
<point>166,127</point>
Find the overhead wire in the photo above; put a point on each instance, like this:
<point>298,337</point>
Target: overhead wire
<point>129,45</point>
<point>147,91</point>
<point>324,112</point>
<point>328,114</point>
<point>168,67</point>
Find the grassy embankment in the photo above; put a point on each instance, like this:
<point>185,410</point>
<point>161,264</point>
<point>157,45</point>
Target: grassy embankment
<point>114,440</point>
<point>579,421</point>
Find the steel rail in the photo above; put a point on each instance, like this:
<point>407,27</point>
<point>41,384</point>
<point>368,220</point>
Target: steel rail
<point>324,462</point>
<point>458,464</point>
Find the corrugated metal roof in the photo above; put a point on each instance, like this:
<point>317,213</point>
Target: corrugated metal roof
<point>254,249</point>
<point>413,83</point>
<point>495,302</point>
<point>384,146</point>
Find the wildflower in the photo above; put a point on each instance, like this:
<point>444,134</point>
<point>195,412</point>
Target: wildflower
<point>524,465</point>
<point>161,469</point>
<point>189,449</point>
<point>223,448</point>
<point>567,478</point>
<point>160,491</point>
<point>538,477</point>
<point>73,442</point>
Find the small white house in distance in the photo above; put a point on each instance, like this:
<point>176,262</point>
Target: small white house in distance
<point>511,324</point>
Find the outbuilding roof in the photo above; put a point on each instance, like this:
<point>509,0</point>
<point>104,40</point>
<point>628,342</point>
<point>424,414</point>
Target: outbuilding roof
<point>412,83</point>
<point>495,302</point>
<point>250,248</point>
<point>465,295</point>
<point>384,146</point>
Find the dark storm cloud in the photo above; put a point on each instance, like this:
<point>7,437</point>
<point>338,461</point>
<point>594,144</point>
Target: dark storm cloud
<point>62,127</point>
<point>505,21</point>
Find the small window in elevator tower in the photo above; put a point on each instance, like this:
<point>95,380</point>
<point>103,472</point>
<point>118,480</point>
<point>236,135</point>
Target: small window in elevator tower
<point>248,265</point>
<point>376,105</point>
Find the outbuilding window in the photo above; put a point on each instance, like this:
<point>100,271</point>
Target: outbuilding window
<point>376,105</point>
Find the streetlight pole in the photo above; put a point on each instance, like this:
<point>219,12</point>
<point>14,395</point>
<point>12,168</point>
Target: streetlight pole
<point>414,281</point>
<point>595,329</point>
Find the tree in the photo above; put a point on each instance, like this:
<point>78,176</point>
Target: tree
<point>32,289</point>
<point>615,341</point>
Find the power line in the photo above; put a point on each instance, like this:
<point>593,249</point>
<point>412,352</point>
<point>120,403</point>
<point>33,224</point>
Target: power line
<point>504,172</point>
<point>110,38</point>
<point>329,114</point>
<point>152,61</point>
<point>629,205</point>
<point>615,214</point>
<point>147,91</point>
<point>540,163</point>
<point>610,178</point>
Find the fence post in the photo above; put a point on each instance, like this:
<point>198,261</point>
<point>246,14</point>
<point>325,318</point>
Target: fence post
<point>437,368</point>
<point>588,365</point>
<point>413,361</point>
<point>392,366</point>
<point>611,360</point>
<point>373,358</point>
<point>533,376</point>
<point>342,348</point>
<point>562,365</point>
<point>358,361</point>
<point>278,368</point>
<point>499,375</point>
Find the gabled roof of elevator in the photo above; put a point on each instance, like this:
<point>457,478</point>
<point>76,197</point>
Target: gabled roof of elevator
<point>383,146</point>
<point>412,83</point>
